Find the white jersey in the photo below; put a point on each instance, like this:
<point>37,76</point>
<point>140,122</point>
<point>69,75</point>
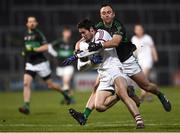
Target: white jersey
<point>144,51</point>
<point>110,58</point>
<point>110,68</point>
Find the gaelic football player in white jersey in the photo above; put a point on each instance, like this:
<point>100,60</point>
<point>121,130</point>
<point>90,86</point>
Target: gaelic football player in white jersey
<point>146,53</point>
<point>111,78</point>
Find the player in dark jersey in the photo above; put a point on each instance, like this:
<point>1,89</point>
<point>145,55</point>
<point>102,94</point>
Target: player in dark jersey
<point>63,48</point>
<point>126,48</point>
<point>36,63</point>
<point>125,52</point>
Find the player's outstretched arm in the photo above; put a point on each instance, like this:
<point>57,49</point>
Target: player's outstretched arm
<point>114,42</point>
<point>70,60</point>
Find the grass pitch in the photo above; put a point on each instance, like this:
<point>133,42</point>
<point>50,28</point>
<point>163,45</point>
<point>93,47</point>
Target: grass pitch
<point>48,115</point>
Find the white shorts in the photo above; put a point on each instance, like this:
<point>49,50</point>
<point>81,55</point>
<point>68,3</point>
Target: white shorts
<point>42,69</point>
<point>131,66</point>
<point>107,78</point>
<point>68,70</point>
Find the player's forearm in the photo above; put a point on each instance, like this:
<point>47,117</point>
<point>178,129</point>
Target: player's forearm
<point>155,58</point>
<point>114,42</point>
<point>43,48</point>
<point>154,54</point>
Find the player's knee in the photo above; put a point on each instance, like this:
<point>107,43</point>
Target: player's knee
<point>100,108</point>
<point>26,85</point>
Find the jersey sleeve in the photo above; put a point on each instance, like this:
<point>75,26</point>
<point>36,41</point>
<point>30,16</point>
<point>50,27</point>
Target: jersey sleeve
<point>150,40</point>
<point>55,43</point>
<point>42,37</point>
<point>133,40</point>
<point>119,30</point>
<point>52,51</point>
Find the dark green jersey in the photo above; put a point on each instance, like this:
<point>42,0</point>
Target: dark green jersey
<point>125,48</point>
<point>63,49</point>
<point>34,39</point>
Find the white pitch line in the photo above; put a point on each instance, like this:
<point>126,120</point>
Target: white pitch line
<point>38,125</point>
<point>101,124</point>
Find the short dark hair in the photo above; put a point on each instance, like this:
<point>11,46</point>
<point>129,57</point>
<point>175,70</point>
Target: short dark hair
<point>86,24</point>
<point>106,4</point>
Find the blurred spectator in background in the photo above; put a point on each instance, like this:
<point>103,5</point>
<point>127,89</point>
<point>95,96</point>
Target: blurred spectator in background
<point>63,48</point>
<point>146,54</point>
<point>35,44</point>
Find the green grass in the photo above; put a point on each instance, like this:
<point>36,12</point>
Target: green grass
<point>48,115</point>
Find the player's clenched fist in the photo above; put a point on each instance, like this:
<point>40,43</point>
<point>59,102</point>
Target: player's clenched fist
<point>69,60</point>
<point>94,46</point>
<point>96,59</point>
<point>29,48</point>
